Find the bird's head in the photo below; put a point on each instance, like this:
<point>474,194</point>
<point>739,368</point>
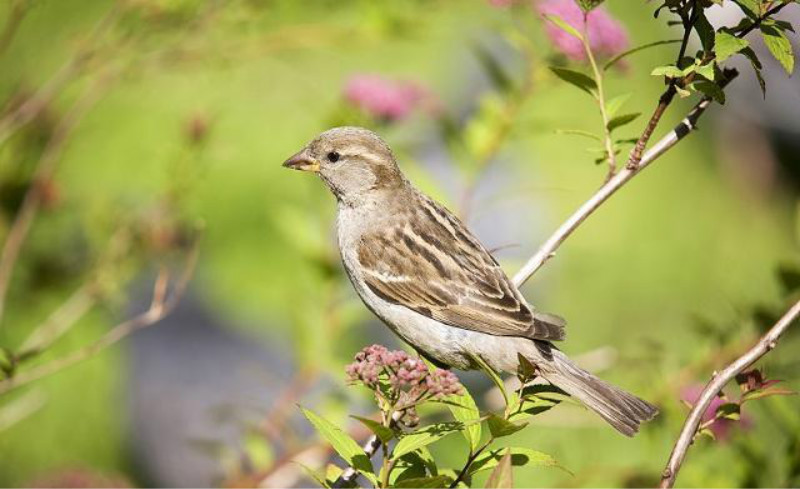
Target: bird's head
<point>352,161</point>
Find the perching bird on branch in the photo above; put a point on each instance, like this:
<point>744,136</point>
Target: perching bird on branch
<point>420,270</point>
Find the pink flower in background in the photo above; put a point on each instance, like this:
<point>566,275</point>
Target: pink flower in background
<point>721,427</point>
<point>385,99</point>
<point>606,35</point>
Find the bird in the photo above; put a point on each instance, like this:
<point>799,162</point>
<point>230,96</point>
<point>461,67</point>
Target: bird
<point>418,268</point>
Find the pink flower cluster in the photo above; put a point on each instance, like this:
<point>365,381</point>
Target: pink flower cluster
<point>402,372</point>
<point>384,99</point>
<point>607,36</point>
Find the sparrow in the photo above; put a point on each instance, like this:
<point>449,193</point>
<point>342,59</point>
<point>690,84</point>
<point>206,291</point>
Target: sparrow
<point>418,268</point>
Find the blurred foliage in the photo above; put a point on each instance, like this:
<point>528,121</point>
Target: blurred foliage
<point>194,104</point>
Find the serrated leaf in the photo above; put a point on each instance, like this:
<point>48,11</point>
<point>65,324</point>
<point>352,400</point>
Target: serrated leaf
<point>502,475</point>
<point>500,427</point>
<point>425,482</point>
<point>492,375</point>
<point>345,446</point>
<point>726,45</point>
<point>526,369</point>
<point>616,103</point>
<point>465,410</point>
<point>382,432</point>
<point>563,25</point>
<point>313,474</point>
<point>619,57</point>
<point>579,132</point>
<point>520,457</point>
<point>751,8</point>
<point>706,71</point>
<point>705,31</point>
<point>576,79</point>
<point>670,71</point>
<point>779,45</point>
<point>760,394</point>
<point>332,473</point>
<point>424,437</point>
<point>729,410</point>
<point>622,120</point>
<point>710,89</point>
<point>707,432</point>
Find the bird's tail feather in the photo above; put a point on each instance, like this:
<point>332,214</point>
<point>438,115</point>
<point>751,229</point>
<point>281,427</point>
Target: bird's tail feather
<point>622,410</point>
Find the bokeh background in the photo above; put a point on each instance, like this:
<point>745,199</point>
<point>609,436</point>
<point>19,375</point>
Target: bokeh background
<point>166,121</point>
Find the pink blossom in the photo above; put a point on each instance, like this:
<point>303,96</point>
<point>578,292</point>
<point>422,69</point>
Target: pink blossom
<point>385,99</point>
<point>402,372</point>
<point>721,427</point>
<point>607,36</point>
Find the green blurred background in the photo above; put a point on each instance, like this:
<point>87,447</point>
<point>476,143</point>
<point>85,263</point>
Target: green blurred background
<point>196,104</point>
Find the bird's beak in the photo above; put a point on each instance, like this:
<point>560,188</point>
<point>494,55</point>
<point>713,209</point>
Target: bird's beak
<point>302,161</point>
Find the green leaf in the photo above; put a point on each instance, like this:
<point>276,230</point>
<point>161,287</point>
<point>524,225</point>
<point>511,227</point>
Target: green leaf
<point>500,427</point>
<point>563,25</point>
<point>729,410</point>
<point>382,432</point>
<point>706,432</point>
<point>705,31</point>
<point>520,457</point>
<point>616,103</point>
<point>465,410</point>
<point>577,79</point>
<point>424,482</point>
<point>759,394</point>
<point>756,64</point>
<point>779,45</point>
<point>346,447</point>
<point>314,475</point>
<point>726,45</point>
<point>501,476</point>
<point>332,473</point>
<point>751,8</point>
<point>619,57</point>
<point>589,5</point>
<point>622,120</point>
<point>492,375</point>
<point>670,71</point>
<point>706,71</point>
<point>579,132</point>
<point>710,89</point>
<point>424,437</point>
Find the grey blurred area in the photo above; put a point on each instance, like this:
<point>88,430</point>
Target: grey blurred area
<point>758,136</point>
<point>196,386</point>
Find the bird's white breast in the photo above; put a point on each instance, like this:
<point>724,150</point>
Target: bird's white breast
<point>447,344</point>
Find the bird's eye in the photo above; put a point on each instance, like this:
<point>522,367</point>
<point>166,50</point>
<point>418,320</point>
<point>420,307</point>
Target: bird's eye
<point>333,156</point>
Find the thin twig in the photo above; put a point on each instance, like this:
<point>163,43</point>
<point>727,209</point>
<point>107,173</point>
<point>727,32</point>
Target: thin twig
<point>162,304</point>
<point>37,190</point>
<point>16,13</point>
<point>608,189</point>
<point>370,447</point>
<point>33,106</point>
<point>715,385</point>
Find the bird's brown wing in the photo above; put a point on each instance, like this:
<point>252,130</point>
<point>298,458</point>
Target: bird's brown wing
<point>429,262</point>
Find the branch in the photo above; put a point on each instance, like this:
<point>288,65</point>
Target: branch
<point>161,304</point>
<point>608,189</point>
<point>718,381</point>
